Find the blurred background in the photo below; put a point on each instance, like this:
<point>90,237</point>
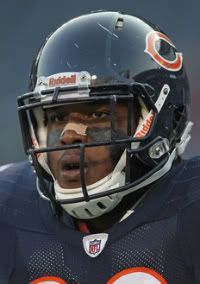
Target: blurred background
<point>24,24</point>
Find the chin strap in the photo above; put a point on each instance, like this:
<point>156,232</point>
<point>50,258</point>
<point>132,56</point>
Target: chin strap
<point>132,209</point>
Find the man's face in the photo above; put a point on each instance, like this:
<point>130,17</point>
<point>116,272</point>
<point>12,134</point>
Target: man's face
<point>85,123</point>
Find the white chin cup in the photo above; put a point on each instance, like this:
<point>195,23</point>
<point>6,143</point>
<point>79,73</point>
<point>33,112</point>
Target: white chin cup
<point>96,207</point>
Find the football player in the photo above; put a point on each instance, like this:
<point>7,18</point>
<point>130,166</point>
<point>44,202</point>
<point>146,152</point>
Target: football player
<point>104,125</point>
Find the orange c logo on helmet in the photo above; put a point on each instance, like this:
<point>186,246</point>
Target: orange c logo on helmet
<point>171,65</point>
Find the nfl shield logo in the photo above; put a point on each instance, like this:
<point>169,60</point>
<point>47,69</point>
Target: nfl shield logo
<point>94,246</point>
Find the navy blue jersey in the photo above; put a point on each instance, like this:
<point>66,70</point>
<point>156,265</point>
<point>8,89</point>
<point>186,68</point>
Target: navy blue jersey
<point>158,243</point>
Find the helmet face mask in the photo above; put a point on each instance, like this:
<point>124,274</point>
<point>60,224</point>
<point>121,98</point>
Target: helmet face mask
<point>86,124</point>
<point>106,111</point>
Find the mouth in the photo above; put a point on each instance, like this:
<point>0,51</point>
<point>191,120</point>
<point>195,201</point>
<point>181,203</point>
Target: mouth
<point>71,169</point>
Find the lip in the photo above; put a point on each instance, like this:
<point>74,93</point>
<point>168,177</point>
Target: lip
<point>70,168</point>
<point>72,175</point>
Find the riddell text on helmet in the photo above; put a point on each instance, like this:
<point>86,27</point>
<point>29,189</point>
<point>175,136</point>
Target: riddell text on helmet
<point>143,130</point>
<point>64,80</point>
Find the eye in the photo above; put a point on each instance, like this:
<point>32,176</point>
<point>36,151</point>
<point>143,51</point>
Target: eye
<point>59,117</point>
<point>99,115</point>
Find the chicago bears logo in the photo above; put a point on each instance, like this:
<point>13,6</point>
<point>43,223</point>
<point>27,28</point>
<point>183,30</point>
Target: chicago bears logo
<point>152,39</point>
<point>137,275</point>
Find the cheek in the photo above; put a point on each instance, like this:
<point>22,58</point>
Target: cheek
<point>122,123</point>
<point>53,136</point>
<point>99,134</point>
<point>52,159</point>
<point>100,162</point>
<point>100,154</point>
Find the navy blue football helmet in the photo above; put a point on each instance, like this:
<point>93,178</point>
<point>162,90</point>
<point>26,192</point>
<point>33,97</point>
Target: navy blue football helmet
<point>108,57</point>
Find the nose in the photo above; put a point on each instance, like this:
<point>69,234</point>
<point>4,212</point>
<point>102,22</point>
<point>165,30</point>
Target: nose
<point>73,132</point>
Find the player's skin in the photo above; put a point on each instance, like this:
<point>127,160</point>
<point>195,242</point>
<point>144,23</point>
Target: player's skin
<point>86,123</point>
